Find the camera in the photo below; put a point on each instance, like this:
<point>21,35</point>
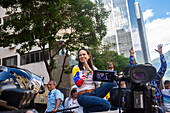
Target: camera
<point>139,95</point>
<point>104,76</point>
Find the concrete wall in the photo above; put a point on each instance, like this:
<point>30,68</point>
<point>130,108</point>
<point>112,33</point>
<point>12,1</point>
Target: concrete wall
<point>66,78</point>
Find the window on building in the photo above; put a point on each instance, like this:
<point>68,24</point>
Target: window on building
<point>22,60</point>
<point>33,57</point>
<point>37,57</point>
<point>10,61</point>
<point>28,59</point>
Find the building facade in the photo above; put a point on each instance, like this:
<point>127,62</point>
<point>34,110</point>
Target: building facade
<point>122,28</point>
<point>142,33</point>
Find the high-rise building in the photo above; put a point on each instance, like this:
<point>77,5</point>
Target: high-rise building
<point>142,33</point>
<point>122,28</point>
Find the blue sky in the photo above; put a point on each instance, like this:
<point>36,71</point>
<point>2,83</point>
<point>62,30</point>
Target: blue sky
<point>160,7</point>
<point>156,14</point>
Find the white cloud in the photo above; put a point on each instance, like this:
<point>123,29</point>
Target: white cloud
<point>167,13</point>
<point>158,32</point>
<point>148,14</point>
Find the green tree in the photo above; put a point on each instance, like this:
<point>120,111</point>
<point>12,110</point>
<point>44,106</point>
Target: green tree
<point>40,23</point>
<point>101,57</point>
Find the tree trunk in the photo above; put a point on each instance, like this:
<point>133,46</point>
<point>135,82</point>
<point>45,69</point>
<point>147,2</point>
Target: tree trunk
<point>64,61</point>
<point>47,65</point>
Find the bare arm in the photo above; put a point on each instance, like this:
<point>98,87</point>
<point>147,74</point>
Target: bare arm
<point>131,51</point>
<point>57,105</point>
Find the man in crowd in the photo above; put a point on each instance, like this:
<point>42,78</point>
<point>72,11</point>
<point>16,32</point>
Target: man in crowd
<point>55,98</point>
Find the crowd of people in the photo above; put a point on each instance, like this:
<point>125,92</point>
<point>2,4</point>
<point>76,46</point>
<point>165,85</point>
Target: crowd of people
<point>90,94</point>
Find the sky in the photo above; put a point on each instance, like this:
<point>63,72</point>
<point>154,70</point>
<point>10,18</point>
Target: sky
<point>156,14</point>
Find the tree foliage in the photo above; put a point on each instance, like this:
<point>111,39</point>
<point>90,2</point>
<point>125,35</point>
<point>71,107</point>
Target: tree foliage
<point>42,23</point>
<point>101,57</point>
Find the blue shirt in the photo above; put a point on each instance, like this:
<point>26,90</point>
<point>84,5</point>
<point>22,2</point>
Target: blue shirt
<point>161,73</point>
<point>51,100</point>
<point>131,61</point>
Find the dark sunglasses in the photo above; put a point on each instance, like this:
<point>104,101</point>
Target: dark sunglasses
<point>73,91</point>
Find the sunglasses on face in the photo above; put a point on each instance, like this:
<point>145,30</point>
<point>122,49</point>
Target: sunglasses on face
<point>73,91</point>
